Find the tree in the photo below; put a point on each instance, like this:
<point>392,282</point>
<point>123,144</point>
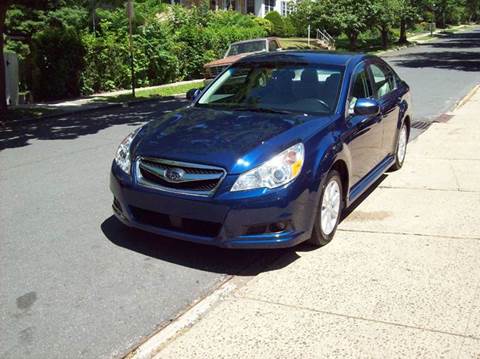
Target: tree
<point>384,15</point>
<point>304,14</point>
<point>353,18</point>
<point>473,8</point>
<point>4,5</point>
<point>407,13</point>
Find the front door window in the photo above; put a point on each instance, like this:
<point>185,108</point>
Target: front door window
<point>361,88</point>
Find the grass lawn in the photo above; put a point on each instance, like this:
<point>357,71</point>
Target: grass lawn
<point>425,35</point>
<point>341,43</point>
<point>369,42</point>
<point>298,43</point>
<point>152,93</point>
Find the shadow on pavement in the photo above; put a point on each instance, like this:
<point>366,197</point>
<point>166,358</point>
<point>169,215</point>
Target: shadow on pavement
<point>363,197</point>
<point>87,123</point>
<point>241,262</point>
<point>457,40</point>
<point>432,55</point>
<point>459,60</point>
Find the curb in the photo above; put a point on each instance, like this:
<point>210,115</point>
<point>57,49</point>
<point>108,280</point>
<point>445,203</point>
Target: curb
<point>395,49</point>
<point>154,344</point>
<point>27,121</point>
<point>437,32</point>
<point>466,98</point>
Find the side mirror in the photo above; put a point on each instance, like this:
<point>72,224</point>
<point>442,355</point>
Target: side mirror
<point>192,94</point>
<point>367,106</point>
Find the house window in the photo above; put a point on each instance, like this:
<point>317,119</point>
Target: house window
<point>250,6</point>
<point>269,6</point>
<point>285,8</point>
<point>230,5</point>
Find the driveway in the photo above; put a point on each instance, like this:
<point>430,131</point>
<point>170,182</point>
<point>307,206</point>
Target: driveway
<point>76,283</point>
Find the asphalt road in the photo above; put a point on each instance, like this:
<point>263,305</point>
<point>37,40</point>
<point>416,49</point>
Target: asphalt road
<point>440,72</point>
<point>77,284</point>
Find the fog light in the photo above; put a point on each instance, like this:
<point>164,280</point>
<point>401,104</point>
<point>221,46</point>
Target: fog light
<point>278,227</point>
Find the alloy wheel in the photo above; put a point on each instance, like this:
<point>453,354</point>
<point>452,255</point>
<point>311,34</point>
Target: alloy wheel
<point>330,207</point>
<point>402,144</point>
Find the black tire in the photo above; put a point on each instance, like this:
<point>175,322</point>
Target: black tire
<point>319,238</point>
<point>399,161</point>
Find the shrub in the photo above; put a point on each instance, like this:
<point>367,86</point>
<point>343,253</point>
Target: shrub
<point>277,23</point>
<point>289,28</point>
<point>170,43</point>
<point>107,63</point>
<point>58,60</point>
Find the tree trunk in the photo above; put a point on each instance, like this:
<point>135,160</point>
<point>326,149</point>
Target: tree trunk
<point>384,32</point>
<point>403,32</point>
<point>3,94</point>
<point>352,37</point>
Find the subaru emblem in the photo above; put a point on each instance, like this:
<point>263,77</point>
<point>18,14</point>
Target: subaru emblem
<point>175,174</point>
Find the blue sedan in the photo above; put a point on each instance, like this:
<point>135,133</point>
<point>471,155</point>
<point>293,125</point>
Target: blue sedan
<point>269,154</point>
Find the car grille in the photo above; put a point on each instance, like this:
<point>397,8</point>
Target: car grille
<point>179,177</point>
<point>179,224</point>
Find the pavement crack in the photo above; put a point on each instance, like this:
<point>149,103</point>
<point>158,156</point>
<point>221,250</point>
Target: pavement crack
<point>363,318</point>
<point>430,189</point>
<point>454,174</point>
<point>470,315</point>
<point>409,234</point>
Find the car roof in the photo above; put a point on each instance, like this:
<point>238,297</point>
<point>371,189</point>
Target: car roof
<point>307,56</point>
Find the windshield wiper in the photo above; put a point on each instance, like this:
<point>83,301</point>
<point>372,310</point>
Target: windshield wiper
<point>260,109</point>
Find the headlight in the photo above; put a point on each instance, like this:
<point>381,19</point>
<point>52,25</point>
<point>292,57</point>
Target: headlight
<point>122,158</point>
<point>281,169</point>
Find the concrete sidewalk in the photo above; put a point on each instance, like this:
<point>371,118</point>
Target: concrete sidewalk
<point>400,279</point>
<point>98,100</point>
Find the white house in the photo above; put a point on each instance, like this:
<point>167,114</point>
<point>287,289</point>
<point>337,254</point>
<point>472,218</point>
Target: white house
<point>256,7</point>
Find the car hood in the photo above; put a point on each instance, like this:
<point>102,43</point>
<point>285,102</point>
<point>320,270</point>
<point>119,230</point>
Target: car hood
<point>227,60</point>
<point>234,140</point>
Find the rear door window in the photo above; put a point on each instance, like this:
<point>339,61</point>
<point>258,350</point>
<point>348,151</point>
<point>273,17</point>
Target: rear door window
<point>384,80</point>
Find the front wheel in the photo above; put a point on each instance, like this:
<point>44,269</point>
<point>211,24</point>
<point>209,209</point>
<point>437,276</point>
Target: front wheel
<point>401,148</point>
<point>329,211</point>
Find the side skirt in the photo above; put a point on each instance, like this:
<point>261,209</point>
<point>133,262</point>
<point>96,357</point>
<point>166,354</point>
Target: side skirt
<point>362,185</point>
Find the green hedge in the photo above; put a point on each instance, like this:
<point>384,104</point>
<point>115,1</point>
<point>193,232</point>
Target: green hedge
<point>278,27</point>
<point>58,60</point>
<point>168,46</point>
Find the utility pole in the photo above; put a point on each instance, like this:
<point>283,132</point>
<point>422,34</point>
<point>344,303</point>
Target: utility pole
<point>130,13</point>
<point>308,41</point>
<point>93,19</point>
<point>432,23</point>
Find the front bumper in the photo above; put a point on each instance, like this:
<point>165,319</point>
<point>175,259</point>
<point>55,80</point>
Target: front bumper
<point>252,219</point>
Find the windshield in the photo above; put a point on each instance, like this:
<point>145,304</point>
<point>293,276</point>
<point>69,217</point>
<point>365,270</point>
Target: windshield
<point>311,89</point>
<point>245,47</point>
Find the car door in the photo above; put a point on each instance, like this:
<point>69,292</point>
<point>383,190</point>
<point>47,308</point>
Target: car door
<point>385,89</point>
<point>364,132</point>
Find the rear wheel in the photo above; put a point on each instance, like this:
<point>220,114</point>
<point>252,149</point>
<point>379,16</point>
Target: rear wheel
<point>401,151</point>
<point>329,211</point>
